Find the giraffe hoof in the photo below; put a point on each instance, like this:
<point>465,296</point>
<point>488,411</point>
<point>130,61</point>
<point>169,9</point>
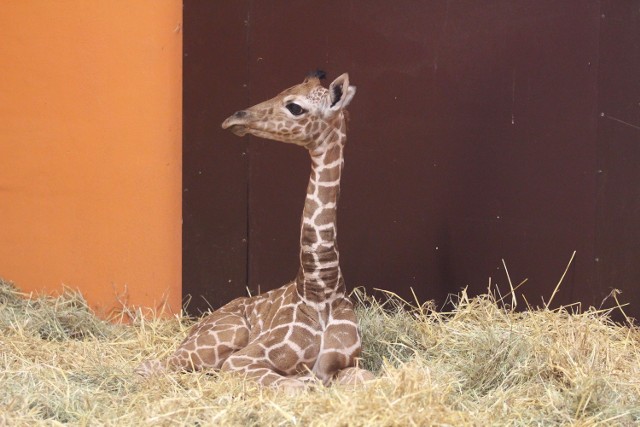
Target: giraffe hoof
<point>291,387</point>
<point>353,376</point>
<point>149,368</point>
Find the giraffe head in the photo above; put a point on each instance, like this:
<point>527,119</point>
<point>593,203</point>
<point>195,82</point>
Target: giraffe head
<point>305,114</point>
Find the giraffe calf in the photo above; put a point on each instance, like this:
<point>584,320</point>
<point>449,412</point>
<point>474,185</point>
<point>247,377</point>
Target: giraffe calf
<point>306,330</point>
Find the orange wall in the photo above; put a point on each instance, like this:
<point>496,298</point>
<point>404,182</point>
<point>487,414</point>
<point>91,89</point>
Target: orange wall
<point>90,148</point>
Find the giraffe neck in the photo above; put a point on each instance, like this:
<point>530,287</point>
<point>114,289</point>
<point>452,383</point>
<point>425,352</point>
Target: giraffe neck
<point>319,278</point>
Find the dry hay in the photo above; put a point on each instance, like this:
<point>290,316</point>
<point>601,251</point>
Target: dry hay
<point>480,364</point>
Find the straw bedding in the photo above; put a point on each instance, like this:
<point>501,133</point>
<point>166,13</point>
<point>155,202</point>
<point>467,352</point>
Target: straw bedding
<point>480,364</point>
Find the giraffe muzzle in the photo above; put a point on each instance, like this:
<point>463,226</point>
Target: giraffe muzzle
<point>236,123</point>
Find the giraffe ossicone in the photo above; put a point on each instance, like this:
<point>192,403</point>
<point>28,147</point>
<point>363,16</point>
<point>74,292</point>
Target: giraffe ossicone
<point>306,330</point>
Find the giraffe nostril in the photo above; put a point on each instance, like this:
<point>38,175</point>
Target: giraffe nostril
<point>240,114</point>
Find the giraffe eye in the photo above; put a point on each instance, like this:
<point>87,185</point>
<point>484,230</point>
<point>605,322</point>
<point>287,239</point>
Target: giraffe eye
<point>295,109</point>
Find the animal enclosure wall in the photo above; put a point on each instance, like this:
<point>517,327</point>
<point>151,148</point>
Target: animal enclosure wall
<point>480,132</point>
<point>90,149</point>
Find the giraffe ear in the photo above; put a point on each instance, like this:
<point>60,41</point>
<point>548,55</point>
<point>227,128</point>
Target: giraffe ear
<point>341,93</point>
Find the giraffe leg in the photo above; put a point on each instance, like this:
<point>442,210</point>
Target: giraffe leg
<point>263,374</point>
<point>341,347</point>
<point>270,366</point>
<point>208,344</point>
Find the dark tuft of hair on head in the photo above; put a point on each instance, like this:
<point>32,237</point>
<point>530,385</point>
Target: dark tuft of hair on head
<point>318,74</point>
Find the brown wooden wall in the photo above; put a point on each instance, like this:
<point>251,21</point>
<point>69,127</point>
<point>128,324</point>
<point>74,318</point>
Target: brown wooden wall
<point>481,131</point>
